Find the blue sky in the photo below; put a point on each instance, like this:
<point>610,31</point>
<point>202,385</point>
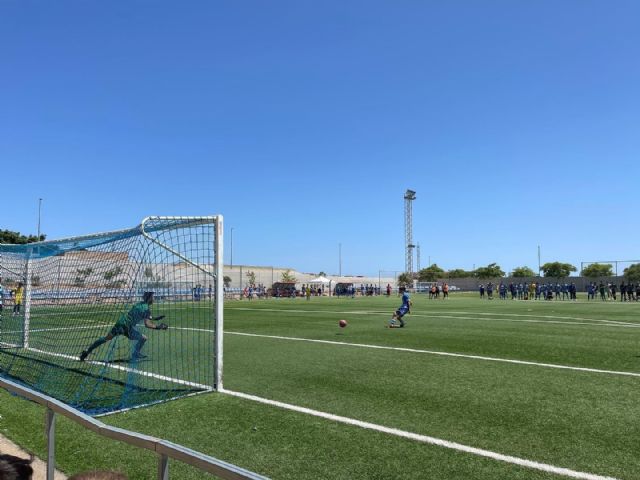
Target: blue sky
<point>303,123</point>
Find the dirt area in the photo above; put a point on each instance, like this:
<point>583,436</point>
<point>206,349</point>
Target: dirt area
<point>39,467</point>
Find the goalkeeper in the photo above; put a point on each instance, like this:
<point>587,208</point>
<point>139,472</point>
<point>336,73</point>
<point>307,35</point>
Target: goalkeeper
<point>402,310</point>
<point>126,325</point>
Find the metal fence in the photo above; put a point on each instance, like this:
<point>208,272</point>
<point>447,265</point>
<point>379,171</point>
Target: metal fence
<point>163,448</point>
<point>472,283</point>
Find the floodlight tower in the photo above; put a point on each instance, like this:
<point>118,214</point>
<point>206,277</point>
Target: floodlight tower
<point>418,257</point>
<point>409,197</point>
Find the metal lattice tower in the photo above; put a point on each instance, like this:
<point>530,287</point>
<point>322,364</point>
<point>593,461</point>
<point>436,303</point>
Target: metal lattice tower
<point>418,257</point>
<point>409,197</point>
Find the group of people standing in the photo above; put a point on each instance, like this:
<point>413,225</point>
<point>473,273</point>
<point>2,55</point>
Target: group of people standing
<point>436,290</point>
<point>530,291</point>
<point>628,292</point>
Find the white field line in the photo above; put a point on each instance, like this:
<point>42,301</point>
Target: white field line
<point>580,321</point>
<point>124,369</point>
<point>558,317</point>
<point>426,439</point>
<point>144,405</point>
<point>592,323</point>
<point>444,354</point>
<point>55,329</point>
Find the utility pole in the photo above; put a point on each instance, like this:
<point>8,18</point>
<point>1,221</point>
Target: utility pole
<point>538,260</point>
<point>409,197</point>
<point>39,211</point>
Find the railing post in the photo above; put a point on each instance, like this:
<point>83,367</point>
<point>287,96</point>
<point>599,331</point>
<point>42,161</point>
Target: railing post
<point>51,443</point>
<point>163,467</point>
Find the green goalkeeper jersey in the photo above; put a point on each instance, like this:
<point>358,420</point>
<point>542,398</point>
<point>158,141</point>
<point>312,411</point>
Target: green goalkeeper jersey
<point>138,313</point>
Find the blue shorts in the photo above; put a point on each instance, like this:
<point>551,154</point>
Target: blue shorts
<point>402,311</point>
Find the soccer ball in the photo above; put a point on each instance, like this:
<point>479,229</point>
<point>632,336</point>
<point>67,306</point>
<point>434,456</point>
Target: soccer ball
<point>342,323</point>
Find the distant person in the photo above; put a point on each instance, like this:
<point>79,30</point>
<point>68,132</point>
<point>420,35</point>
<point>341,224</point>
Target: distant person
<point>18,296</point>
<point>481,289</point>
<point>402,310</point>
<point>388,289</point>
<point>126,325</point>
<point>602,289</point>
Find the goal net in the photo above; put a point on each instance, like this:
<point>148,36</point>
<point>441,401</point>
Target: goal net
<point>86,294</point>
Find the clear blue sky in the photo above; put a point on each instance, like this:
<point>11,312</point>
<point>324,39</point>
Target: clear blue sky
<point>303,123</point>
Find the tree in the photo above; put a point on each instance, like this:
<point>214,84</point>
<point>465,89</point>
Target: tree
<point>405,280</point>
<point>492,270</point>
<point>289,277</point>
<point>82,275</point>
<point>557,269</point>
<point>632,272</point>
<point>110,277</point>
<point>523,272</point>
<point>322,274</point>
<point>7,236</point>
<point>459,273</point>
<point>596,270</point>
<point>430,274</point>
<point>227,281</point>
<point>251,276</point>
<point>111,274</point>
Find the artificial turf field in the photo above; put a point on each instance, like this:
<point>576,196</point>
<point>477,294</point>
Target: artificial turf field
<point>534,390</point>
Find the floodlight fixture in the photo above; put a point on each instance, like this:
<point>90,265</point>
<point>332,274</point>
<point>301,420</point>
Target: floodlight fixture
<point>410,195</point>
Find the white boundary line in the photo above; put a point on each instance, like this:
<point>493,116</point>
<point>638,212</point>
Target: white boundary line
<point>426,439</point>
<point>124,369</point>
<point>581,321</point>
<point>444,354</point>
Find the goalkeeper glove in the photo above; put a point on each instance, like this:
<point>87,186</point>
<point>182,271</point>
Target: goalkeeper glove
<point>162,326</point>
<point>159,317</point>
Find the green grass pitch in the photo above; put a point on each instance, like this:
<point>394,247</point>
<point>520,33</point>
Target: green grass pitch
<point>550,382</point>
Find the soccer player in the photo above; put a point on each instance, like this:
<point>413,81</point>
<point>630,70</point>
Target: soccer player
<point>126,325</point>
<point>402,310</point>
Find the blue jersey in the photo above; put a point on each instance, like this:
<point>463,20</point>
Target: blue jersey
<point>405,299</point>
<point>404,308</point>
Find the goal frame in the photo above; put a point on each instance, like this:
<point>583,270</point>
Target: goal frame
<point>217,276</point>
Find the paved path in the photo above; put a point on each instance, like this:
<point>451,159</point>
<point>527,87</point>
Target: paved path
<point>39,467</point>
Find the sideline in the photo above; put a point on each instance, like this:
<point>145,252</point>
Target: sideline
<point>444,354</point>
<point>522,462</point>
<point>553,319</point>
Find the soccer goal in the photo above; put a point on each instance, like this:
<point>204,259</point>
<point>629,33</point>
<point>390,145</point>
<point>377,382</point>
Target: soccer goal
<point>79,322</point>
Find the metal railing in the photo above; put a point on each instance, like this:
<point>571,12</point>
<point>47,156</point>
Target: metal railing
<point>163,448</point>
